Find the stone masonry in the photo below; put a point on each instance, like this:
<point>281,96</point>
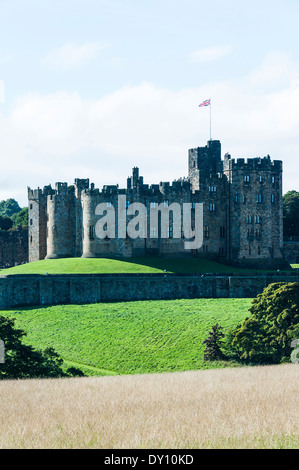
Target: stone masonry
<point>242,213</point>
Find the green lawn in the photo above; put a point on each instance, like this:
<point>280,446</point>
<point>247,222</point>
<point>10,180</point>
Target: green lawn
<point>130,265</point>
<point>130,337</point>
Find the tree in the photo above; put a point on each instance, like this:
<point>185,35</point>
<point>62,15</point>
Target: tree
<point>5,223</point>
<point>265,336</point>
<point>23,361</point>
<point>20,218</point>
<point>291,213</point>
<point>213,344</point>
<point>9,207</point>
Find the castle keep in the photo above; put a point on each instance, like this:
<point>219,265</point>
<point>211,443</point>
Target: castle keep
<point>242,213</point>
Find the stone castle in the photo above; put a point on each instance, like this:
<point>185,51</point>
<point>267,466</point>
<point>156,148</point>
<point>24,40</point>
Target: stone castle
<point>242,213</point>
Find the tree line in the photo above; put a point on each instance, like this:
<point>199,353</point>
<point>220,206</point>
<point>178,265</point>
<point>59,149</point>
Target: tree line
<point>268,335</point>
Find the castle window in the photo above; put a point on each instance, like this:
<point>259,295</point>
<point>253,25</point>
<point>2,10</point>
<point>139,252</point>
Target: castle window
<point>127,204</point>
<point>206,232</point>
<point>91,232</point>
<point>272,198</point>
<point>249,250</point>
<point>258,250</point>
<point>243,199</point>
<point>261,179</point>
<point>30,238</point>
<point>249,219</point>
<point>165,203</point>
<point>170,231</point>
<point>273,179</point>
<point>236,197</point>
<point>259,198</point>
<point>222,232</point>
<point>246,179</point>
<point>31,221</point>
<point>30,206</point>
<point>212,207</point>
<point>192,205</point>
<point>256,219</point>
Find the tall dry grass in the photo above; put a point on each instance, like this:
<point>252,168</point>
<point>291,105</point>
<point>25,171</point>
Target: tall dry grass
<point>252,407</point>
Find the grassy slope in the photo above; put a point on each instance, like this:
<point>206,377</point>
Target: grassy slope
<point>130,337</point>
<point>132,265</point>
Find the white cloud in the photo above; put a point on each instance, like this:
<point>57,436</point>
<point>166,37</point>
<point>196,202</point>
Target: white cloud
<point>62,136</point>
<point>210,53</point>
<point>2,91</point>
<point>71,55</point>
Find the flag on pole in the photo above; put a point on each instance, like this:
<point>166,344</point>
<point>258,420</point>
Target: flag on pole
<point>205,103</point>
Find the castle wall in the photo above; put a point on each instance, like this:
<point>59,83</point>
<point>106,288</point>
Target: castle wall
<point>242,213</point>
<point>39,290</point>
<point>13,247</point>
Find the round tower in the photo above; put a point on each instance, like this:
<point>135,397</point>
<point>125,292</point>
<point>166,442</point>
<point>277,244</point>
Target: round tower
<point>90,242</point>
<point>61,222</point>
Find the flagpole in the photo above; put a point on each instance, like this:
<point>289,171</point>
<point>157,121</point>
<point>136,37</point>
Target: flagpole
<point>208,103</point>
<point>210,119</point>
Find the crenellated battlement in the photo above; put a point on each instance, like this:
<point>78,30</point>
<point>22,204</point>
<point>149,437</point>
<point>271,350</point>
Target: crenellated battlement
<point>257,163</point>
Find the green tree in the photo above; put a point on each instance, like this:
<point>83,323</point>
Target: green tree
<point>20,218</point>
<point>5,223</point>
<point>23,361</point>
<point>265,336</point>
<point>213,344</point>
<point>9,207</point>
<point>291,213</point>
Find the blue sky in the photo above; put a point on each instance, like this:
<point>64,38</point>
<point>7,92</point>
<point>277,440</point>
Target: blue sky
<point>92,88</point>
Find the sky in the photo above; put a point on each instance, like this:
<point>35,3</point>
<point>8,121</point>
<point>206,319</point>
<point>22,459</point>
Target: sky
<point>92,88</point>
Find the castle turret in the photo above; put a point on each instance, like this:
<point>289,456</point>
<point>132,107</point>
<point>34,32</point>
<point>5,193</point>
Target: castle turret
<point>61,222</point>
<point>204,161</point>
<point>255,215</point>
<point>37,220</point>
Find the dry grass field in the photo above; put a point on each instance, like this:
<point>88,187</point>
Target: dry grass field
<point>250,407</point>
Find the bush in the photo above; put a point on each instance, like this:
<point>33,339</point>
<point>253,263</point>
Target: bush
<point>213,344</point>
<point>265,336</point>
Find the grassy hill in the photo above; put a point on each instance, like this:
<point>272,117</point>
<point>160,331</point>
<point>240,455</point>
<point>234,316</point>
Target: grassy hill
<point>130,265</point>
<point>130,337</point>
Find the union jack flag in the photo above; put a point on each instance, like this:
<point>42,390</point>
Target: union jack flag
<point>205,103</point>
